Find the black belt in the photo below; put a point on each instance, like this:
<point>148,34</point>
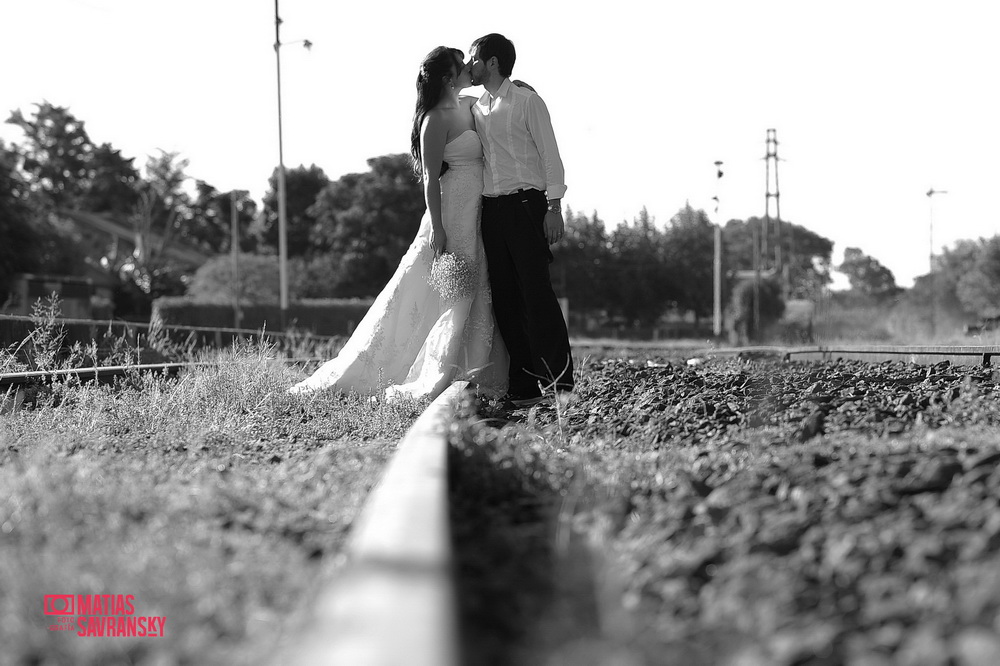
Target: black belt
<point>523,190</point>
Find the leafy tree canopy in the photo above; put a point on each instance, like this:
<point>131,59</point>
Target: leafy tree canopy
<point>690,256</point>
<point>302,187</point>
<point>583,259</point>
<point>366,221</point>
<point>979,288</point>
<point>19,249</point>
<point>65,169</point>
<point>210,227</point>
<point>867,275</point>
<point>806,253</point>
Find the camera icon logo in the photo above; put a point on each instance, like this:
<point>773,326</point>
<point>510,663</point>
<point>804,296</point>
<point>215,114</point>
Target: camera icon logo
<point>59,604</point>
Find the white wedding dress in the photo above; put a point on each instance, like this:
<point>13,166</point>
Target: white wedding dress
<point>412,342</point>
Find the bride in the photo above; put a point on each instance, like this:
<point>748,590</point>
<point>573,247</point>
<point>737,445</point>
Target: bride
<point>416,339</point>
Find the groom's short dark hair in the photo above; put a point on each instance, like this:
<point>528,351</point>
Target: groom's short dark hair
<point>497,45</point>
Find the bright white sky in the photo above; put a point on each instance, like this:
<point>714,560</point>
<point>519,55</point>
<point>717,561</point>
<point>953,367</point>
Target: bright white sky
<point>874,101</point>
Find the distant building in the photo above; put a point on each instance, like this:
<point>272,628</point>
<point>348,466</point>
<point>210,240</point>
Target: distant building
<point>76,294</point>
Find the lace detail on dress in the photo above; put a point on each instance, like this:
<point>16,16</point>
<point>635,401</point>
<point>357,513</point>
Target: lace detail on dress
<point>411,342</point>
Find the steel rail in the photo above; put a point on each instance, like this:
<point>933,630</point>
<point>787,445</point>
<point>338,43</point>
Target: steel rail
<point>959,355</point>
<point>107,373</point>
<point>100,374</point>
<point>393,599</point>
<point>247,332</point>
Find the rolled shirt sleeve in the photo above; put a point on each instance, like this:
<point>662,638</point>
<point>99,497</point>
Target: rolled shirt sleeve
<point>519,144</point>
<point>540,126</point>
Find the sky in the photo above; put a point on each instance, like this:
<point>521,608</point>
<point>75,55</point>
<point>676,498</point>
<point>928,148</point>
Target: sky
<point>874,102</point>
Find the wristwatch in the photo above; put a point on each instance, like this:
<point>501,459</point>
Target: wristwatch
<point>555,206</point>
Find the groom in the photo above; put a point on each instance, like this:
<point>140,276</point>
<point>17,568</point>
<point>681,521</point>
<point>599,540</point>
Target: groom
<point>522,216</point>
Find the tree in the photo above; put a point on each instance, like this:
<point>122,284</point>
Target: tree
<point>583,259</point>
<point>867,275</point>
<point>806,253</point>
<point>689,260</point>
<point>979,288</point>
<point>19,250</point>
<point>31,238</point>
<point>210,226</point>
<point>160,218</point>
<point>302,187</point>
<point>114,183</point>
<point>366,221</point>
<point>937,292</point>
<point>65,169</point>
<point>640,287</point>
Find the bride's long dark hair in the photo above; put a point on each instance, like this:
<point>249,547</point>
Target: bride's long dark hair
<point>438,64</point>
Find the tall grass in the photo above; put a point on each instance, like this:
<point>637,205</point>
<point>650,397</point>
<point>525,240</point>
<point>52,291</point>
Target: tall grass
<point>215,498</point>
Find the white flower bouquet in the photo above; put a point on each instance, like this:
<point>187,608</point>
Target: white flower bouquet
<point>453,276</point>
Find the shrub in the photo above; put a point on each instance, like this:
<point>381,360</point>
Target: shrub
<point>741,310</point>
<point>215,282</point>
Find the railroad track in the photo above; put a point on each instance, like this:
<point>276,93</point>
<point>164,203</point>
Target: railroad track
<point>396,580</point>
<point>219,334</point>
<point>958,355</point>
<point>100,374</point>
<point>108,374</point>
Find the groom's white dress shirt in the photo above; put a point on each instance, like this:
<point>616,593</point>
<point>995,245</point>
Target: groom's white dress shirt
<point>519,146</point>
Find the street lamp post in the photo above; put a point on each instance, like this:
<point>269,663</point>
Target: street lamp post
<point>282,221</point>
<point>282,214</point>
<point>930,200</point>
<point>717,262</point>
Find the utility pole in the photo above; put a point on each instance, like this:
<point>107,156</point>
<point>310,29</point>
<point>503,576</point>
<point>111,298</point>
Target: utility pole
<point>717,263</point>
<point>771,192</point>
<point>756,281</point>
<point>234,225</point>
<point>930,257</point>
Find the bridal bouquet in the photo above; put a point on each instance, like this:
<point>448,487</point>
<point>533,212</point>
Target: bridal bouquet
<point>453,276</point>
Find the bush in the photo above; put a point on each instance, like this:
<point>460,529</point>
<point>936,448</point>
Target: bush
<point>740,313</point>
<point>214,282</point>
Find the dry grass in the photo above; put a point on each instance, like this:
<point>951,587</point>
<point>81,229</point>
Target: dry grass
<point>214,498</point>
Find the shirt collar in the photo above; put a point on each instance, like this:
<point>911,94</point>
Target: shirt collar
<point>501,92</point>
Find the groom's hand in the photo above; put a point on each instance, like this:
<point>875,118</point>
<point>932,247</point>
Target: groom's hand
<point>553,226</point>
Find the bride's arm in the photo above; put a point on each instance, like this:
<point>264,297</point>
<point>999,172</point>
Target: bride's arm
<point>433,136</point>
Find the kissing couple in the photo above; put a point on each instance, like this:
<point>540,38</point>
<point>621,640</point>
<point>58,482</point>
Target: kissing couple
<point>472,298</point>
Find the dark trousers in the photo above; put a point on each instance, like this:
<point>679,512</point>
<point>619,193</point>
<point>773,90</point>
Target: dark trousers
<point>524,303</point>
